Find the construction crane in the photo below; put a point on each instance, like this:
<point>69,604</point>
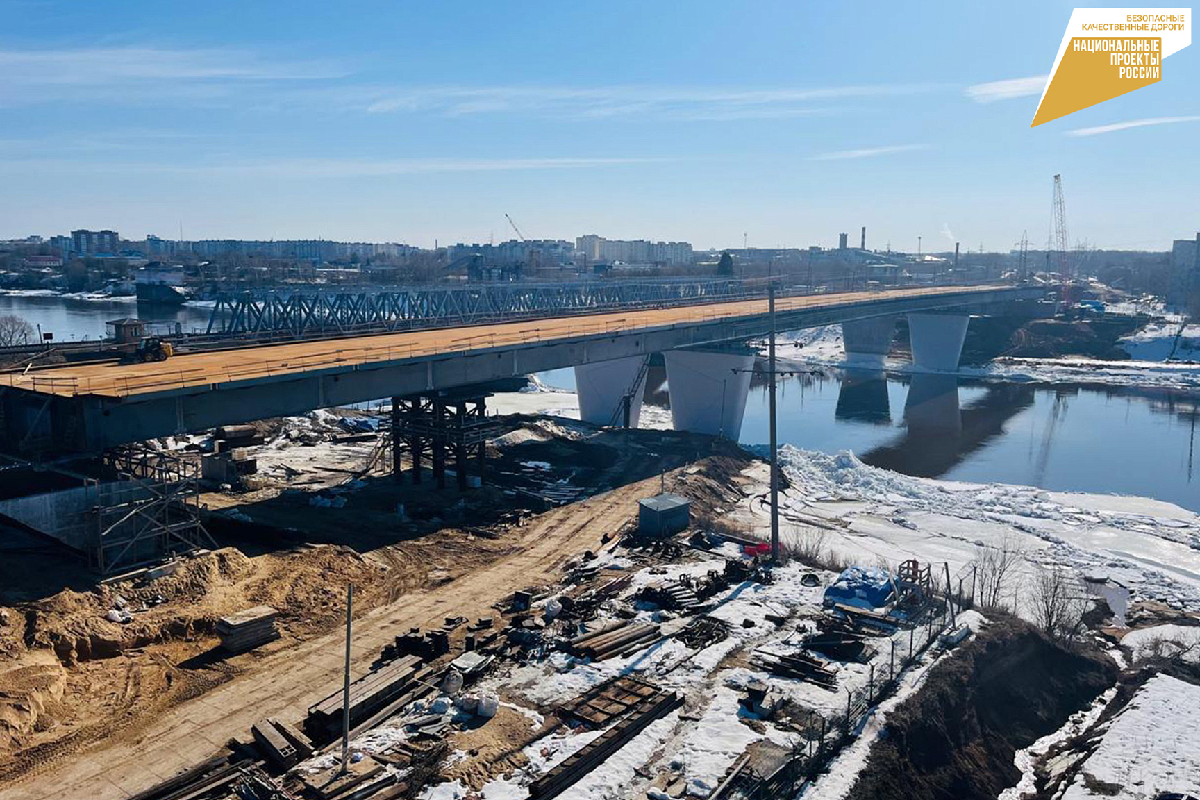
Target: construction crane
<point>534,253</point>
<point>1061,246</point>
<point>520,235</point>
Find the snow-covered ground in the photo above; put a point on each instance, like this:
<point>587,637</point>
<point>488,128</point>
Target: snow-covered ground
<point>1025,759</point>
<point>701,741</point>
<point>1161,340</point>
<point>868,513</point>
<point>1152,745</point>
<point>1181,641</point>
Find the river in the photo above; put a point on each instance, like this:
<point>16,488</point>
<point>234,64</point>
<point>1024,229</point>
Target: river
<point>1069,438</point>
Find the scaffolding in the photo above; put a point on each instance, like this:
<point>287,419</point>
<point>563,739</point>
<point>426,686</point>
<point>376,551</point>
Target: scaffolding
<point>434,425</point>
<point>149,512</point>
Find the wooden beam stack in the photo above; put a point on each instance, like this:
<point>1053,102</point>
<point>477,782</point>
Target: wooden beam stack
<point>367,695</point>
<point>247,629</point>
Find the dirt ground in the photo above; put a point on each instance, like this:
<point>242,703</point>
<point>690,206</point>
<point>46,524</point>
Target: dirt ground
<point>72,681</point>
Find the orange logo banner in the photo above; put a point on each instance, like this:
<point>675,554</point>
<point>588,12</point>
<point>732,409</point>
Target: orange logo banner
<point>1110,52</point>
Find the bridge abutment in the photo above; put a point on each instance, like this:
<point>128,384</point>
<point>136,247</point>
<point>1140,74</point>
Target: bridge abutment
<point>867,341</point>
<point>604,388</point>
<point>708,390</point>
<point>937,340</point>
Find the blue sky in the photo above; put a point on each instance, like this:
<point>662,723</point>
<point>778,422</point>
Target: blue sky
<point>698,121</point>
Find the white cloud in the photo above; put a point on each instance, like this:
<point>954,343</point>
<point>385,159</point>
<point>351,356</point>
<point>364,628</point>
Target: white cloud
<point>869,152</point>
<point>1007,90</point>
<point>130,74</point>
<point>614,101</point>
<point>1133,123</point>
<point>316,168</point>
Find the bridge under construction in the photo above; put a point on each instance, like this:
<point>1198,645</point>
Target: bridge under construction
<point>91,407</point>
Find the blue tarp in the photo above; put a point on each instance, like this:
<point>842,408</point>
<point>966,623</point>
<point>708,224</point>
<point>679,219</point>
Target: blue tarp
<point>864,587</point>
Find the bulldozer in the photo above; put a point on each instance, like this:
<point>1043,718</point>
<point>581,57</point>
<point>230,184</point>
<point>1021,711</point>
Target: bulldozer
<point>152,348</point>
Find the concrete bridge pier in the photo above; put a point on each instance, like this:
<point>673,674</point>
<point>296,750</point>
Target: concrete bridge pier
<point>708,390</point>
<point>605,387</point>
<point>937,340</point>
<point>867,341</point>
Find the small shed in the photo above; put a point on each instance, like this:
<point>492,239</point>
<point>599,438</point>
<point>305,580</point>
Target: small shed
<point>127,330</point>
<point>663,515</point>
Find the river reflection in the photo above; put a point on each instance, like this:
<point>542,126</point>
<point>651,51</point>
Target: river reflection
<point>863,397</point>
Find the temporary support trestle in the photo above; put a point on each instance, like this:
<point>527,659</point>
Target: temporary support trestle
<point>439,423</point>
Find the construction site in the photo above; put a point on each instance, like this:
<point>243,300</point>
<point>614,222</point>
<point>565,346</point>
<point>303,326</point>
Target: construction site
<point>443,595</point>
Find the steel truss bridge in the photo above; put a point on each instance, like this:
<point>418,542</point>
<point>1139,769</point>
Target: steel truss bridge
<point>303,312</point>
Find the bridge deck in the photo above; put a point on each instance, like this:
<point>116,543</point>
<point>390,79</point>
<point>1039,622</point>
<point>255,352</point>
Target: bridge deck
<point>223,366</point>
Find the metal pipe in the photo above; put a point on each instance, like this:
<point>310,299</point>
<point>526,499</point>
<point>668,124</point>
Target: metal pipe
<point>346,683</point>
<point>774,443</point>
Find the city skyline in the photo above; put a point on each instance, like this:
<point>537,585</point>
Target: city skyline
<point>784,125</point>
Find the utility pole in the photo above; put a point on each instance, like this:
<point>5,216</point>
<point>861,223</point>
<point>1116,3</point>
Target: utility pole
<point>346,683</point>
<point>774,443</point>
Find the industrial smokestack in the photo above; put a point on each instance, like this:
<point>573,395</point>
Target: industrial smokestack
<point>863,245</point>
<point>956,255</point>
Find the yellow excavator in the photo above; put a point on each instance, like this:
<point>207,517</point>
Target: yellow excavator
<point>151,348</point>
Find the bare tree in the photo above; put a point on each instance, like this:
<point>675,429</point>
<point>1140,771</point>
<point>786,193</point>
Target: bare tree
<point>809,546</point>
<point>995,570</point>
<point>1058,603</point>
<point>14,331</point>
<point>1165,649</point>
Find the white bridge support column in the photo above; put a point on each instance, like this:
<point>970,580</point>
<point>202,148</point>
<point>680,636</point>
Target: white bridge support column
<point>867,341</point>
<point>937,340</point>
<point>602,387</point>
<point>708,391</point>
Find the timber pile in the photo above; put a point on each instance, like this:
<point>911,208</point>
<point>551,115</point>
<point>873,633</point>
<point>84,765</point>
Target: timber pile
<point>614,639</point>
<point>247,629</point>
<point>800,666</point>
<point>367,695</point>
<point>594,753</point>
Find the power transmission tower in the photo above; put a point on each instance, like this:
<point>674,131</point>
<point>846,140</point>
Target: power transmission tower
<point>1023,260</point>
<point>1061,257</point>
